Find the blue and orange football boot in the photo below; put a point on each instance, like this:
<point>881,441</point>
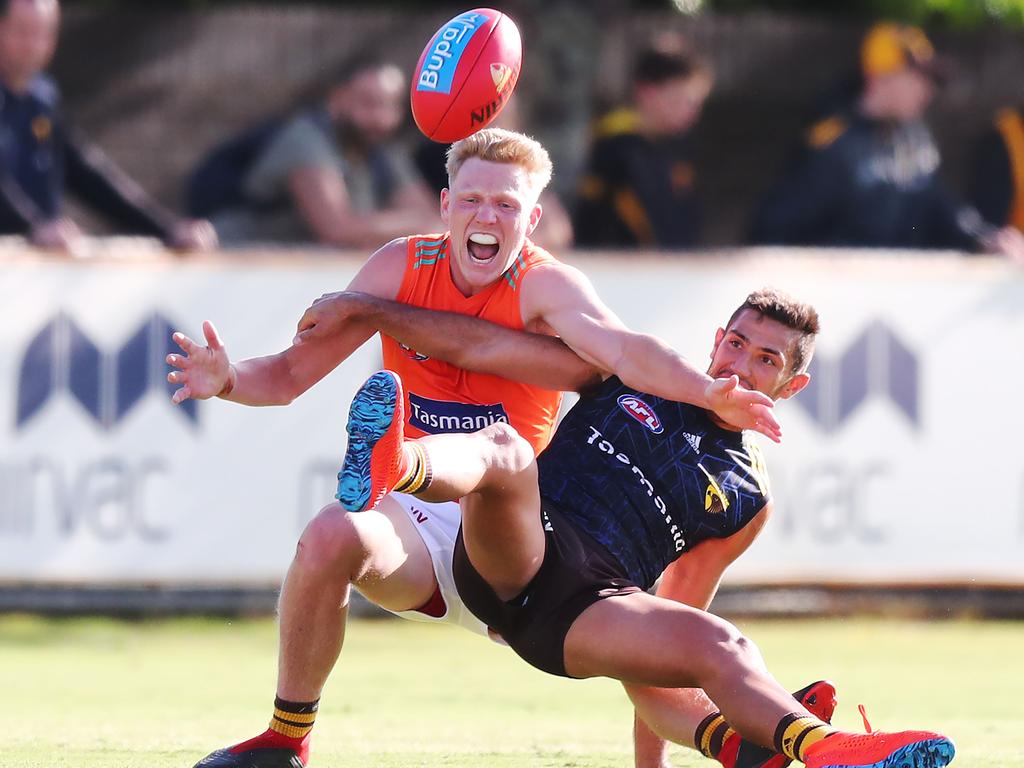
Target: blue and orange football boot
<point>875,749</point>
<point>376,422</point>
<point>817,698</point>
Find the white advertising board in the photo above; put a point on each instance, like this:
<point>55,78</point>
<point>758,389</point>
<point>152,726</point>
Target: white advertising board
<point>901,463</point>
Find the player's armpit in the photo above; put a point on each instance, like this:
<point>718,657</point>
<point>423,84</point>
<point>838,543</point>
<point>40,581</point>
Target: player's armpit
<point>693,579</point>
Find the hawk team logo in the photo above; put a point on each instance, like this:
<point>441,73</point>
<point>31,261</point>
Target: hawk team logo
<point>642,412</point>
<point>500,74</point>
<point>715,500</point>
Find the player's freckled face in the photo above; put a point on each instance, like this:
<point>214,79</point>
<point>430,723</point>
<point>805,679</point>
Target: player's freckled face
<point>758,350</point>
<point>490,210</point>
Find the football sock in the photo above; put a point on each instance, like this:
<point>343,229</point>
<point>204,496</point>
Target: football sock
<point>796,733</point>
<point>293,719</point>
<point>414,472</point>
<point>711,735</point>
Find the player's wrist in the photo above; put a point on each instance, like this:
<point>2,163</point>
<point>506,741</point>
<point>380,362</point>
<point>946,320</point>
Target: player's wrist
<point>710,401</point>
<point>229,385</point>
<point>365,307</point>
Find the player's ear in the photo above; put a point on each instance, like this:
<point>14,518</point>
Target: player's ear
<point>794,385</point>
<point>719,335</point>
<point>535,215</point>
<point>446,202</point>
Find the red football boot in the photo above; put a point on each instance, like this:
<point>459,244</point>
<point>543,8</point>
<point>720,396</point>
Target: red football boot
<point>817,698</point>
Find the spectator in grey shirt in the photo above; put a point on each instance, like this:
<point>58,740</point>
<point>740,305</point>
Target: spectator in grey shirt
<point>333,174</point>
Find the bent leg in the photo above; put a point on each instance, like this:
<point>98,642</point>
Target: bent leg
<point>494,473</point>
<point>380,552</point>
<point>651,641</point>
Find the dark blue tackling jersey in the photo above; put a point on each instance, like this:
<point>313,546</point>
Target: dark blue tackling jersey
<point>650,478</point>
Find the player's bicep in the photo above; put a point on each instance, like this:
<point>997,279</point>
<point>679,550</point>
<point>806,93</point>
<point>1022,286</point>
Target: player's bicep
<point>564,299</point>
<point>381,275</point>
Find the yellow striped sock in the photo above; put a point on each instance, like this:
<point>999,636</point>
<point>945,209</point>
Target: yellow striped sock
<point>418,475</point>
<point>711,734</point>
<point>293,719</point>
<point>795,733</point>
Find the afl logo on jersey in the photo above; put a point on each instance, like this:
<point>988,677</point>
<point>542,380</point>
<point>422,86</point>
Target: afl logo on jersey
<point>642,412</point>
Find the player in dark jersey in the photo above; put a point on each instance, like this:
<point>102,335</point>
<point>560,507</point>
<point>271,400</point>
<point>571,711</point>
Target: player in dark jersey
<point>555,553</point>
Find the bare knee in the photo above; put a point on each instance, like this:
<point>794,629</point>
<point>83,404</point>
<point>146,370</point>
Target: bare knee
<point>726,648</point>
<point>508,453</point>
<point>332,546</point>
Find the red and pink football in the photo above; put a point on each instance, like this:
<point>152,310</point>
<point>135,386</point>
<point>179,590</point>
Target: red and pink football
<point>466,74</point>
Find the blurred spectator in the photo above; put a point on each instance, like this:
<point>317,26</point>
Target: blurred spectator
<point>638,186</point>
<point>868,176</point>
<point>554,232</point>
<point>997,174</point>
<point>333,174</point>
<point>40,154</point>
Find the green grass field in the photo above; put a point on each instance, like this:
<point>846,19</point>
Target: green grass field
<point>90,693</point>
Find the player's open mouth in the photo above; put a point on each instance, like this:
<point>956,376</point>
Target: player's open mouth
<point>482,247</point>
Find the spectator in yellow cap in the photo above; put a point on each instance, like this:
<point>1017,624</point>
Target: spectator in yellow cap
<point>868,175</point>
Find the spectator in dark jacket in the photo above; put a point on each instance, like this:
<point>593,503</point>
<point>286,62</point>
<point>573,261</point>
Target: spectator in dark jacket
<point>638,187</point>
<point>997,174</point>
<point>40,155</point>
<point>868,176</point>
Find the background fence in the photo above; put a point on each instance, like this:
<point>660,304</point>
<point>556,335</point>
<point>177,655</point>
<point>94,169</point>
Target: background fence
<point>901,463</point>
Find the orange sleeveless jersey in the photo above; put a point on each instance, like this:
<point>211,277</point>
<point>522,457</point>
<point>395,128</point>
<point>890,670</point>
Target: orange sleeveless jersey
<point>442,398</point>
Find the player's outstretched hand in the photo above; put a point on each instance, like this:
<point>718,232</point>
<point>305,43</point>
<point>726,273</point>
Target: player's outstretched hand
<point>203,372</point>
<point>743,408</point>
<point>326,316</point>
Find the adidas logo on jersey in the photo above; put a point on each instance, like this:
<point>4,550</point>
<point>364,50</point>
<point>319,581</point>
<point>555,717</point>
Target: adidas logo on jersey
<point>693,440</point>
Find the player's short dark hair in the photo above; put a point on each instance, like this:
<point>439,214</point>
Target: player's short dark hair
<point>783,308</point>
<point>667,59</point>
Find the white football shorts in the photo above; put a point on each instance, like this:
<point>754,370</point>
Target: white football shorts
<point>438,525</point>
